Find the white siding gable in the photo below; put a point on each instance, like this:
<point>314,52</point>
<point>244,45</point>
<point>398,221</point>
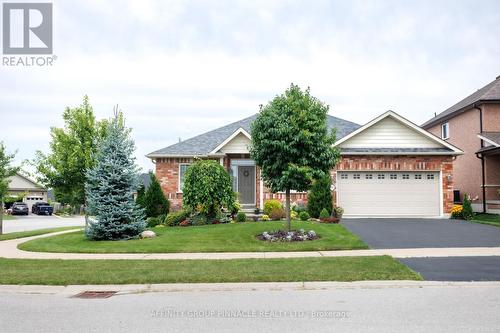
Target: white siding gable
<point>238,145</point>
<point>18,182</point>
<point>389,133</point>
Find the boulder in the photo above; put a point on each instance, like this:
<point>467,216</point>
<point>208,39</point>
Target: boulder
<point>148,234</point>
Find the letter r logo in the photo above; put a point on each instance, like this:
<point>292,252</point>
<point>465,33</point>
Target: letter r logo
<point>27,28</point>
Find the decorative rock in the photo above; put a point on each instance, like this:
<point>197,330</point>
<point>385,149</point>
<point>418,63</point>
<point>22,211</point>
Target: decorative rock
<point>148,234</point>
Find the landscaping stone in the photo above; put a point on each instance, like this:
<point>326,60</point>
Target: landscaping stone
<point>148,234</point>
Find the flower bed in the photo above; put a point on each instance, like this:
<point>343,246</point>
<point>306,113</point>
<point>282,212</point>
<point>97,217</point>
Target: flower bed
<point>330,219</point>
<point>288,236</point>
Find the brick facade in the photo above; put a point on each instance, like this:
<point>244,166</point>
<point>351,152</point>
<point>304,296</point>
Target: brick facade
<point>404,163</point>
<point>167,172</point>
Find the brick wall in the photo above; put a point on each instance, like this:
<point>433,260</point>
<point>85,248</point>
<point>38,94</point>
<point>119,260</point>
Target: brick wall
<point>404,163</point>
<point>167,172</point>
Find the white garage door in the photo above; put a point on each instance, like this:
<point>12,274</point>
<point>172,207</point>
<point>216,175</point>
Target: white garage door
<point>389,193</point>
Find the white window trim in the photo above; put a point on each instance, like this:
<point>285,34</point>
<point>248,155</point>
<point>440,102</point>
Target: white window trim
<point>447,125</point>
<point>179,189</point>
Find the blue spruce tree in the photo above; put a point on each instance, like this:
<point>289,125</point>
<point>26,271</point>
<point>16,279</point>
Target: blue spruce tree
<point>110,188</point>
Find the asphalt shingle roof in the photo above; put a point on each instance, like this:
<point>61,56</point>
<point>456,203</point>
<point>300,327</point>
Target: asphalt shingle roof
<point>490,92</point>
<point>492,136</point>
<point>206,142</point>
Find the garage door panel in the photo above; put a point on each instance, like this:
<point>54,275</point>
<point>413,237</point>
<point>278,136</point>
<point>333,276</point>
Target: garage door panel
<point>415,196</point>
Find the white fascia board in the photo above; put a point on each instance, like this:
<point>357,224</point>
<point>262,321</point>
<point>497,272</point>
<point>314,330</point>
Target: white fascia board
<point>240,130</point>
<point>493,143</point>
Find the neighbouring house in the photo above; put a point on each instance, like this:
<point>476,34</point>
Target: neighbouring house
<point>473,124</point>
<point>389,167</point>
<point>20,185</point>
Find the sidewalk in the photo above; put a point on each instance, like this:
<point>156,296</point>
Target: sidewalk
<point>123,289</point>
<point>8,249</point>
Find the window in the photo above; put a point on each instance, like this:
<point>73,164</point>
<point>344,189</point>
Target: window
<point>406,176</point>
<point>368,176</point>
<point>343,176</point>
<point>356,176</point>
<point>418,176</point>
<point>445,131</point>
<point>380,176</point>
<point>394,176</point>
<point>182,172</point>
<point>430,176</point>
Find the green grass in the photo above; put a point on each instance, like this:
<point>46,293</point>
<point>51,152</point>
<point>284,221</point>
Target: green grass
<point>66,272</point>
<point>21,234</point>
<point>238,237</point>
<point>491,219</point>
<point>8,217</point>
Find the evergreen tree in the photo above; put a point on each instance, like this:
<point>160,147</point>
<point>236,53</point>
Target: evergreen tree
<point>141,193</point>
<point>154,200</point>
<point>111,185</point>
<point>320,196</point>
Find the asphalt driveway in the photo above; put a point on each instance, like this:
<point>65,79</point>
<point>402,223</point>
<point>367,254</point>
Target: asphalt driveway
<point>33,222</point>
<point>398,233</point>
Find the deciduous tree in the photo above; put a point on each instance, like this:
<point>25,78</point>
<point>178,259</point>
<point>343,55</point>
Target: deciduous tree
<point>6,171</point>
<point>291,142</point>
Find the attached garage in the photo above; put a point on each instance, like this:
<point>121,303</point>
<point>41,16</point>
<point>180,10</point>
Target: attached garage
<point>389,193</point>
<point>390,167</point>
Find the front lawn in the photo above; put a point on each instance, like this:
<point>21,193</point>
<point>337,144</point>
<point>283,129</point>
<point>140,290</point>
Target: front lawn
<point>491,219</point>
<point>238,237</point>
<point>66,272</point>
<point>8,217</point>
<point>29,233</point>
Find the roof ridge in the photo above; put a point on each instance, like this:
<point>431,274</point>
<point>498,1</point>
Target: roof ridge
<point>480,94</point>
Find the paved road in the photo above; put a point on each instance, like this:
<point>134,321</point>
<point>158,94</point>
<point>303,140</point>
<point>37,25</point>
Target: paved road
<point>456,268</point>
<point>391,309</point>
<point>32,222</point>
<point>401,233</point>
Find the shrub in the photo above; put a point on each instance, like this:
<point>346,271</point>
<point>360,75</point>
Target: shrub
<point>154,201</point>
<point>174,219</point>
<point>152,222</point>
<point>324,214</point>
<point>199,219</point>
<point>294,215</point>
<point>320,196</point>
<point>456,212</point>
<point>304,216</point>
<point>269,205</point>
<point>277,214</point>
<point>241,217</point>
<point>162,218</point>
<point>339,211</point>
<point>265,218</point>
<point>467,211</point>
<point>208,188</point>
<point>298,206</point>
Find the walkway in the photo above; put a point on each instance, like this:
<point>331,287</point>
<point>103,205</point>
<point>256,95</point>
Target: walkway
<point>8,249</point>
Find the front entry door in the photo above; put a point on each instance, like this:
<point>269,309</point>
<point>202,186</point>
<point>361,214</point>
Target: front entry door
<point>246,184</point>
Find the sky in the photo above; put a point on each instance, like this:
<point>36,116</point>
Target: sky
<point>180,68</point>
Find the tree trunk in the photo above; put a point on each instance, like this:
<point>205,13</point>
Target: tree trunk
<point>1,216</point>
<point>288,210</point>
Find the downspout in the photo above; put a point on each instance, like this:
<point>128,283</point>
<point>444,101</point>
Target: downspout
<point>483,176</point>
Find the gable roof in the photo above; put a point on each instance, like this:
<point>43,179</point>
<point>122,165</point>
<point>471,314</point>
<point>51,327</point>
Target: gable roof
<point>22,182</point>
<point>206,143</point>
<point>441,148</point>
<point>488,93</point>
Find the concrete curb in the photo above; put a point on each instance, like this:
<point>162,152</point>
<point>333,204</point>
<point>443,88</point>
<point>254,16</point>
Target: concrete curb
<point>9,250</point>
<point>252,286</point>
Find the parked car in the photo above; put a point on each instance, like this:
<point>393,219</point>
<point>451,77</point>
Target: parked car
<point>42,208</point>
<point>20,208</point>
